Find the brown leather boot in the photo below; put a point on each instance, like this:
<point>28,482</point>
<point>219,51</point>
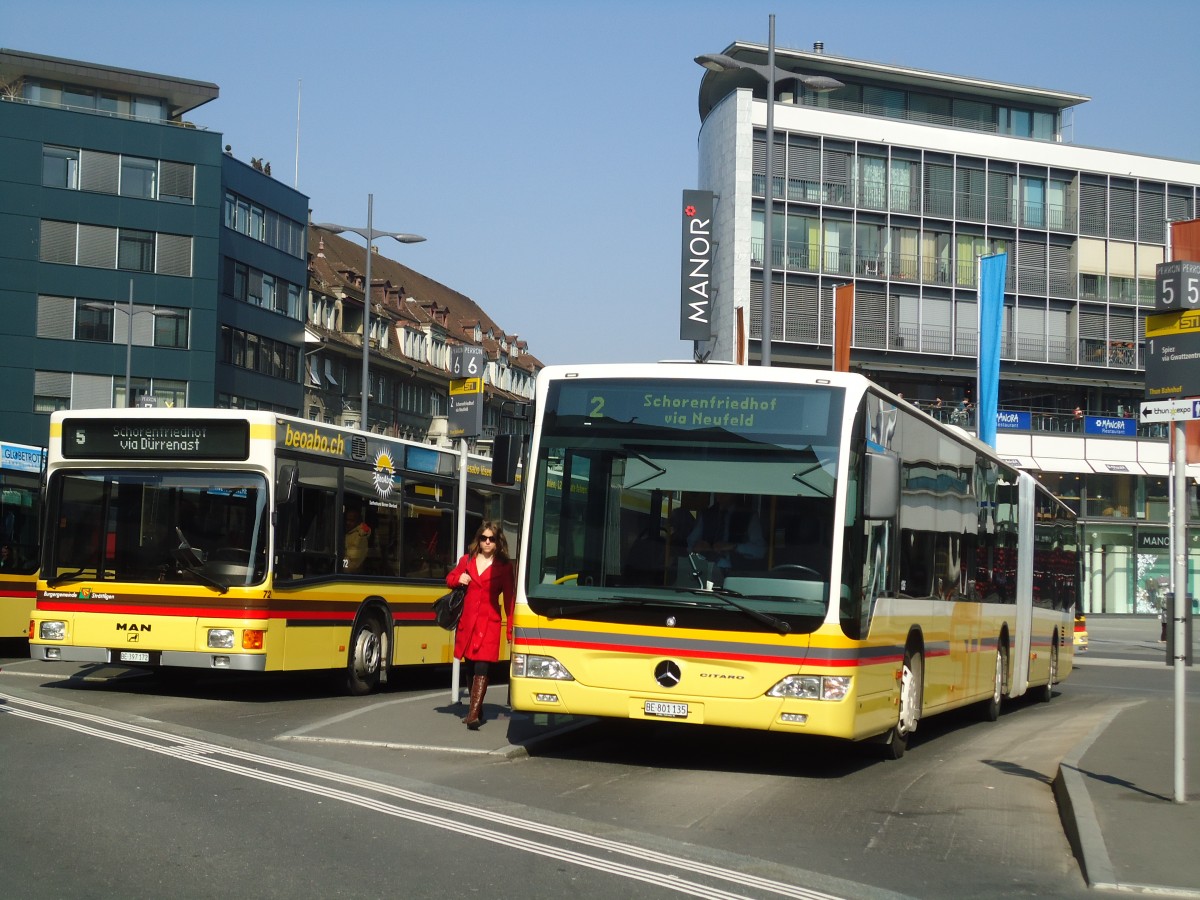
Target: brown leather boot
<point>475,714</point>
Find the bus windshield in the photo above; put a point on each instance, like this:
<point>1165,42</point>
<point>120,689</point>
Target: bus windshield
<point>681,495</point>
<point>205,528</point>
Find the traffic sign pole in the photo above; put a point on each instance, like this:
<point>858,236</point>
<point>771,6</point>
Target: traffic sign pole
<point>1181,608</point>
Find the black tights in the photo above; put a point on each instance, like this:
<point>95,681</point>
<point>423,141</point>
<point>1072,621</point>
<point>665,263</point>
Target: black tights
<point>479,668</point>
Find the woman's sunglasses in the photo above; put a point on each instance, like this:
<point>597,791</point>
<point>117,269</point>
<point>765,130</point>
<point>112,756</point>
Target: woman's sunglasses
<point>487,537</point>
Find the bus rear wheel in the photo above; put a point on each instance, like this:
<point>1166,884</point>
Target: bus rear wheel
<point>365,663</point>
<point>1045,692</point>
<point>912,678</point>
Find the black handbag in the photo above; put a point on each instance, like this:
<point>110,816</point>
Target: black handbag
<point>447,609</point>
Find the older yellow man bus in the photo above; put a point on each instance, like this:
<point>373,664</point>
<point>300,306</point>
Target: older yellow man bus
<point>250,541</point>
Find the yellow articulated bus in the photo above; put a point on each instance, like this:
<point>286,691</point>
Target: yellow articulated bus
<point>780,549</point>
<point>250,541</point>
<point>21,468</point>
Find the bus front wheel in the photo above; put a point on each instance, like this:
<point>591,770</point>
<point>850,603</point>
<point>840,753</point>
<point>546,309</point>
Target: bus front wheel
<point>912,677</point>
<point>991,706</point>
<point>365,662</point>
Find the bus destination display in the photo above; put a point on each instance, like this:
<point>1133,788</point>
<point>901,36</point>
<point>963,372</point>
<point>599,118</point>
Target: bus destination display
<point>125,439</point>
<point>745,408</point>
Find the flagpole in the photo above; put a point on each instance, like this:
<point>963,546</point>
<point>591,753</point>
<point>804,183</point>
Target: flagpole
<point>834,342</point>
<point>979,332</point>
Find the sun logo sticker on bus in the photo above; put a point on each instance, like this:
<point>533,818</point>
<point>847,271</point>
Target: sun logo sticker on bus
<point>385,471</point>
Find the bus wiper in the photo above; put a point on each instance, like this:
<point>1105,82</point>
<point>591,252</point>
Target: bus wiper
<point>730,597</point>
<point>64,578</point>
<point>189,561</point>
<point>580,609</point>
<point>199,575</point>
<point>658,470</point>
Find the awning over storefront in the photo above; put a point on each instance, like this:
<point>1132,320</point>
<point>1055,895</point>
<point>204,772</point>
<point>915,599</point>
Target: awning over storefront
<point>1058,464</point>
<point>1113,467</point>
<point>1157,469</point>
<point>1021,462</point>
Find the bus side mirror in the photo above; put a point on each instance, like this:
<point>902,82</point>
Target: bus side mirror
<point>506,454</point>
<point>286,481</point>
<point>882,478</point>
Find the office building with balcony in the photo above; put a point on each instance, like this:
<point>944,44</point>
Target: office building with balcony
<point>415,324</point>
<point>135,248</point>
<point>899,181</point>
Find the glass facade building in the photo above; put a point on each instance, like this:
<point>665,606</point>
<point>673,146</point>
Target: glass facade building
<point>898,182</point>
<point>119,255</point>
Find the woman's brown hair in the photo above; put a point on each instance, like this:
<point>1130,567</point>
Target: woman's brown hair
<point>501,551</point>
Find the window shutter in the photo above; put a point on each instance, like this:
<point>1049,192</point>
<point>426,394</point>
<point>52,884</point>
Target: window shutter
<point>1031,267</point>
<point>57,243</point>
<point>939,189</point>
<point>176,181</point>
<point>870,319</point>
<point>837,176</point>
<point>98,246</point>
<point>1122,212</point>
<point>801,314</point>
<point>52,384</point>
<point>1092,325</point>
<point>1179,205</point>
<point>91,391</point>
<point>55,317</point>
<point>1061,282</point>
<point>99,171</point>
<point>1000,198</point>
<point>1093,209</point>
<point>1121,327</point>
<point>970,199</point>
<point>1151,214</point>
<point>174,256</point>
<point>804,171</point>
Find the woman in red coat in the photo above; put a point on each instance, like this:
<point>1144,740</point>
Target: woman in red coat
<point>487,572</point>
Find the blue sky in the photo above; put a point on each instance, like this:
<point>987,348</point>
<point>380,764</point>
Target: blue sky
<point>541,147</point>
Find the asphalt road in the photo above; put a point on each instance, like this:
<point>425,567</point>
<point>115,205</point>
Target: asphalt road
<point>188,789</point>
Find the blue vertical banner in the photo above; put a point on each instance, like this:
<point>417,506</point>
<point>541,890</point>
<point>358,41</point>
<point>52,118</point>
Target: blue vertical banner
<point>991,319</point>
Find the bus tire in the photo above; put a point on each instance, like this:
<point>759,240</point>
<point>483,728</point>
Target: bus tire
<point>912,680</point>
<point>365,662</point>
<point>991,706</point>
<point>1046,691</point>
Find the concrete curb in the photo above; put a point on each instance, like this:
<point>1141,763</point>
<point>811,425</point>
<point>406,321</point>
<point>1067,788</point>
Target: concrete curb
<point>1082,827</point>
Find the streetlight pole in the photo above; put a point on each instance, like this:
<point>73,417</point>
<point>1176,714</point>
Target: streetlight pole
<point>369,234</point>
<point>769,209</point>
<point>718,62</point>
<point>130,312</point>
<point>128,344</point>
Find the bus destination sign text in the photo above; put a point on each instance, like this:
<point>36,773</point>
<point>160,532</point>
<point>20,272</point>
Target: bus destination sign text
<point>126,439</point>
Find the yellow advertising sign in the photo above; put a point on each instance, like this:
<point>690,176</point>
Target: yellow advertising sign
<point>465,386</point>
<point>1167,324</point>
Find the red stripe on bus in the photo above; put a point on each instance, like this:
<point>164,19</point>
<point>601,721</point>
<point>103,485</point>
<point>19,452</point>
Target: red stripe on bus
<point>714,654</point>
<point>191,611</point>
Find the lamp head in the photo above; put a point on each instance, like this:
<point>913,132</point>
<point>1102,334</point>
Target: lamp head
<point>718,62</point>
<point>822,84</point>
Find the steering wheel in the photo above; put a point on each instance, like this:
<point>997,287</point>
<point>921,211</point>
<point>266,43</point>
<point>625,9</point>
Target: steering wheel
<point>797,568</point>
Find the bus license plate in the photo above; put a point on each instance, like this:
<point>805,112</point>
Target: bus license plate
<point>666,710</point>
<point>134,656</point>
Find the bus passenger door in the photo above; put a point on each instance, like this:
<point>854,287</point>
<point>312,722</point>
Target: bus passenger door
<point>1026,518</point>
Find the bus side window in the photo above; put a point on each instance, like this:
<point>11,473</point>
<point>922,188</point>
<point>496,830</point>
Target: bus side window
<point>307,536</point>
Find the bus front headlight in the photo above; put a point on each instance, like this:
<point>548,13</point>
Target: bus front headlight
<point>527,665</point>
<point>52,631</point>
<point>220,638</point>
<point>812,687</point>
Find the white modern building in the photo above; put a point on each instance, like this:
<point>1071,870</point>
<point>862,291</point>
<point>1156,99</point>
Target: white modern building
<point>898,181</point>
